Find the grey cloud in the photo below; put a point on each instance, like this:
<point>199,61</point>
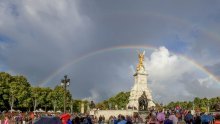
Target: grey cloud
<point>43,36</point>
<point>198,88</point>
<point>214,69</point>
<point>106,73</point>
<point>157,23</point>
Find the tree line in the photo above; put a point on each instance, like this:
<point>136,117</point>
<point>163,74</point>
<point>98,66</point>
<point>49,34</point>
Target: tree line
<point>120,101</point>
<point>16,93</point>
<point>198,104</point>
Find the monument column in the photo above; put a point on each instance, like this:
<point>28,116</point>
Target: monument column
<point>140,85</point>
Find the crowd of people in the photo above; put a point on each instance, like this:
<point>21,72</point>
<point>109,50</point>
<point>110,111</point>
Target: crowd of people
<point>20,118</point>
<point>168,117</point>
<point>182,117</point>
<point>153,117</point>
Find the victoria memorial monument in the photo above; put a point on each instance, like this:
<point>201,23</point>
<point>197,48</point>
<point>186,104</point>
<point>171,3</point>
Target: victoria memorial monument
<point>140,95</point>
<point>140,91</point>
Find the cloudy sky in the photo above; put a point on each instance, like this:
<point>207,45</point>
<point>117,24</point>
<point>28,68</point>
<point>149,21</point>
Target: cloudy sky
<point>95,44</point>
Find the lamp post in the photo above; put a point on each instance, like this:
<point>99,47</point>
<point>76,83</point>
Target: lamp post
<point>193,105</point>
<point>65,82</point>
<point>208,104</point>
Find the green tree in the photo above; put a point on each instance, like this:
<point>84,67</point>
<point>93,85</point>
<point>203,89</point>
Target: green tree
<point>56,97</point>
<point>197,102</point>
<point>20,90</point>
<point>190,105</point>
<point>36,96</point>
<point>5,80</point>
<point>76,105</point>
<point>45,102</point>
<point>13,92</point>
<point>120,100</point>
<point>13,89</point>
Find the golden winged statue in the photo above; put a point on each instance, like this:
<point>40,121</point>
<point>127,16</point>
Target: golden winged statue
<point>141,60</point>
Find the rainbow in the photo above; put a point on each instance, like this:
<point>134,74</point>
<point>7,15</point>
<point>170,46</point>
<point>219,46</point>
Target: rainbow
<point>75,61</point>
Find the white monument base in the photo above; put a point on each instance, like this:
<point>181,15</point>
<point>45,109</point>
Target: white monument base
<point>109,113</point>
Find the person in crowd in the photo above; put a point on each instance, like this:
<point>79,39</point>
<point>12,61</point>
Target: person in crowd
<point>167,120</point>
<point>173,117</point>
<point>129,120</point>
<point>6,121</point>
<point>178,115</point>
<point>115,120</point>
<point>16,120</point>
<point>103,119</point>
<point>87,120</point>
<point>217,119</point>
<point>197,119</point>
<point>151,118</point>
<point>188,118</point>
<point>122,120</point>
<point>69,121</point>
<point>95,120</point>
<point>148,117</point>
<point>211,118</point>
<point>160,117</point>
<point>76,120</point>
<point>205,118</point>
<point>111,120</point>
<point>100,119</point>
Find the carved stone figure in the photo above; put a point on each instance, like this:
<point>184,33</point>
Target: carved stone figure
<point>143,102</point>
<point>92,105</point>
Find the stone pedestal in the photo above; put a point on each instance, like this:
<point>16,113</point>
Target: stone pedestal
<point>143,115</point>
<point>140,86</point>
